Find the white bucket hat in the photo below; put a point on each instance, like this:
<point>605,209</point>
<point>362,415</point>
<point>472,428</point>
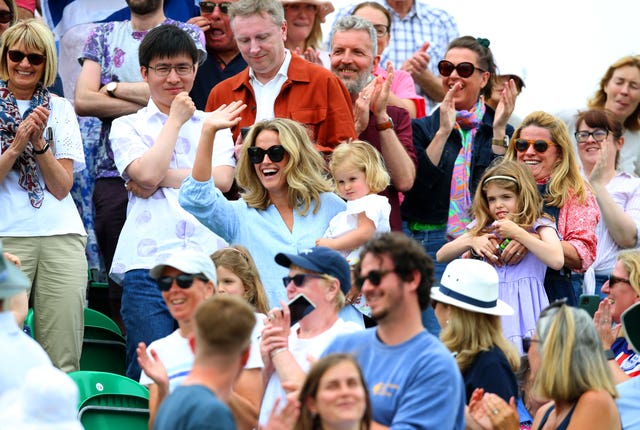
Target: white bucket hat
<point>186,260</point>
<point>472,285</point>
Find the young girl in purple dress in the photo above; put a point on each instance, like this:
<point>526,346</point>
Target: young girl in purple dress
<point>506,207</point>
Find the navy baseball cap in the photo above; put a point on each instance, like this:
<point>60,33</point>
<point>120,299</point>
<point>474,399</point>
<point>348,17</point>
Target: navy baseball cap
<point>320,260</point>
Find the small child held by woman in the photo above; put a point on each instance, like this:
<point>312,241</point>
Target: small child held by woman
<point>359,174</point>
<point>507,206</point>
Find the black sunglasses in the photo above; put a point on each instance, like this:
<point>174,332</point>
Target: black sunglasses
<point>464,69</point>
<point>184,281</point>
<point>374,276</point>
<point>18,56</point>
<point>615,280</point>
<point>275,153</point>
<point>539,145</point>
<point>208,7</point>
<point>300,279</point>
<point>6,17</point>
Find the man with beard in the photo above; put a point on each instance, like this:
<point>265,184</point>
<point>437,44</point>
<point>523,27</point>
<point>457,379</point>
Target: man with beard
<point>110,85</point>
<point>280,84</point>
<point>223,57</point>
<point>413,380</point>
<point>386,127</point>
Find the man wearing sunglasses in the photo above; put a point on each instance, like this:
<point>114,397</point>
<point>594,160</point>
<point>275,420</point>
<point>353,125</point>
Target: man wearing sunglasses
<point>223,56</point>
<point>386,127</point>
<point>110,85</point>
<point>280,84</point>
<point>324,277</point>
<point>413,380</point>
<point>154,149</point>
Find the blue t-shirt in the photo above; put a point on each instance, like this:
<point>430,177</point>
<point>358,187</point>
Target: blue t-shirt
<point>193,407</point>
<point>628,402</point>
<point>413,385</point>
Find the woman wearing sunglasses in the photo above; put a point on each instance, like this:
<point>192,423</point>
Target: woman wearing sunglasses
<point>600,140</point>
<point>454,146</point>
<point>286,202</point>
<point>568,369</point>
<point>542,143</point>
<point>41,148</point>
<point>623,291</point>
<point>8,14</point>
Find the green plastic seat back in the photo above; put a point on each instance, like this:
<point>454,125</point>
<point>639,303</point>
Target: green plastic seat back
<point>109,401</point>
<point>103,346</point>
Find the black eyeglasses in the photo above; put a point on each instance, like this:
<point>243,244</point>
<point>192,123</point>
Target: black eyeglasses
<point>6,17</point>
<point>615,280</point>
<point>464,69</point>
<point>275,153</point>
<point>300,279</point>
<point>539,145</point>
<point>526,343</point>
<point>18,56</point>
<point>208,7</point>
<point>184,281</point>
<point>381,30</point>
<point>598,135</point>
<point>374,276</point>
<point>181,69</point>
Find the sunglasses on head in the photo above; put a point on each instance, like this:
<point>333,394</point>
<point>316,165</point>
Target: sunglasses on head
<point>18,56</point>
<point>464,69</point>
<point>208,7</point>
<point>6,17</point>
<point>184,281</point>
<point>615,280</point>
<point>539,145</point>
<point>299,279</point>
<point>275,153</point>
<point>374,276</point>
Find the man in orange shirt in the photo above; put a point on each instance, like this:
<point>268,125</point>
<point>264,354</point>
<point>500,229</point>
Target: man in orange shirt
<point>280,84</point>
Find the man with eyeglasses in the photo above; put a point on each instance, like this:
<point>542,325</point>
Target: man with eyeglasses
<point>223,56</point>
<point>324,277</point>
<point>386,127</point>
<point>413,380</point>
<point>154,150</point>
<point>280,84</point>
<point>110,85</point>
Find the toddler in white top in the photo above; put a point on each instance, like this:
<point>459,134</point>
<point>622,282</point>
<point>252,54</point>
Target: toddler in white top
<point>359,174</point>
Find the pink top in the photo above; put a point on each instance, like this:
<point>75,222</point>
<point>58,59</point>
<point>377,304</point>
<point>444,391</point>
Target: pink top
<point>27,4</point>
<point>577,225</point>
<point>404,87</point>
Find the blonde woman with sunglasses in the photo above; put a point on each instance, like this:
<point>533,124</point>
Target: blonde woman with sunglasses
<point>543,144</point>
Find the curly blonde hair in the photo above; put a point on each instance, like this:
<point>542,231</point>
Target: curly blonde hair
<point>566,179</point>
<point>305,170</point>
<point>360,155</point>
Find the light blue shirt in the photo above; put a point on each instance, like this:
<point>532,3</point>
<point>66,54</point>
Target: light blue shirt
<point>263,232</point>
<point>628,403</point>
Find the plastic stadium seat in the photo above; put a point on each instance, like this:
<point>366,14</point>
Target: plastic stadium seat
<point>108,401</point>
<point>103,346</point>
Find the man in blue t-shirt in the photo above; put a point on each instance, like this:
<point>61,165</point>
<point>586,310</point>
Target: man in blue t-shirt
<point>413,380</point>
<point>221,344</point>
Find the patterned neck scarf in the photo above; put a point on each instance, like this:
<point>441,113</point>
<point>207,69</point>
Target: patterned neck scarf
<point>10,119</point>
<point>467,123</point>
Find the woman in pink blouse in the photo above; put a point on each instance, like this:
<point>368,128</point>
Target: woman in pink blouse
<point>542,142</point>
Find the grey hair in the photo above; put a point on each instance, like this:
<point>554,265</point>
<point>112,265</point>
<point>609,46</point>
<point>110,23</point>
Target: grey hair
<point>273,8</point>
<point>352,22</point>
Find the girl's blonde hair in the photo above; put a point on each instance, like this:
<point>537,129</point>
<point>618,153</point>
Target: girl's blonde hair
<point>517,178</point>
<point>470,333</point>
<point>305,171</point>
<point>238,260</point>
<point>566,180</point>
<point>360,155</point>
